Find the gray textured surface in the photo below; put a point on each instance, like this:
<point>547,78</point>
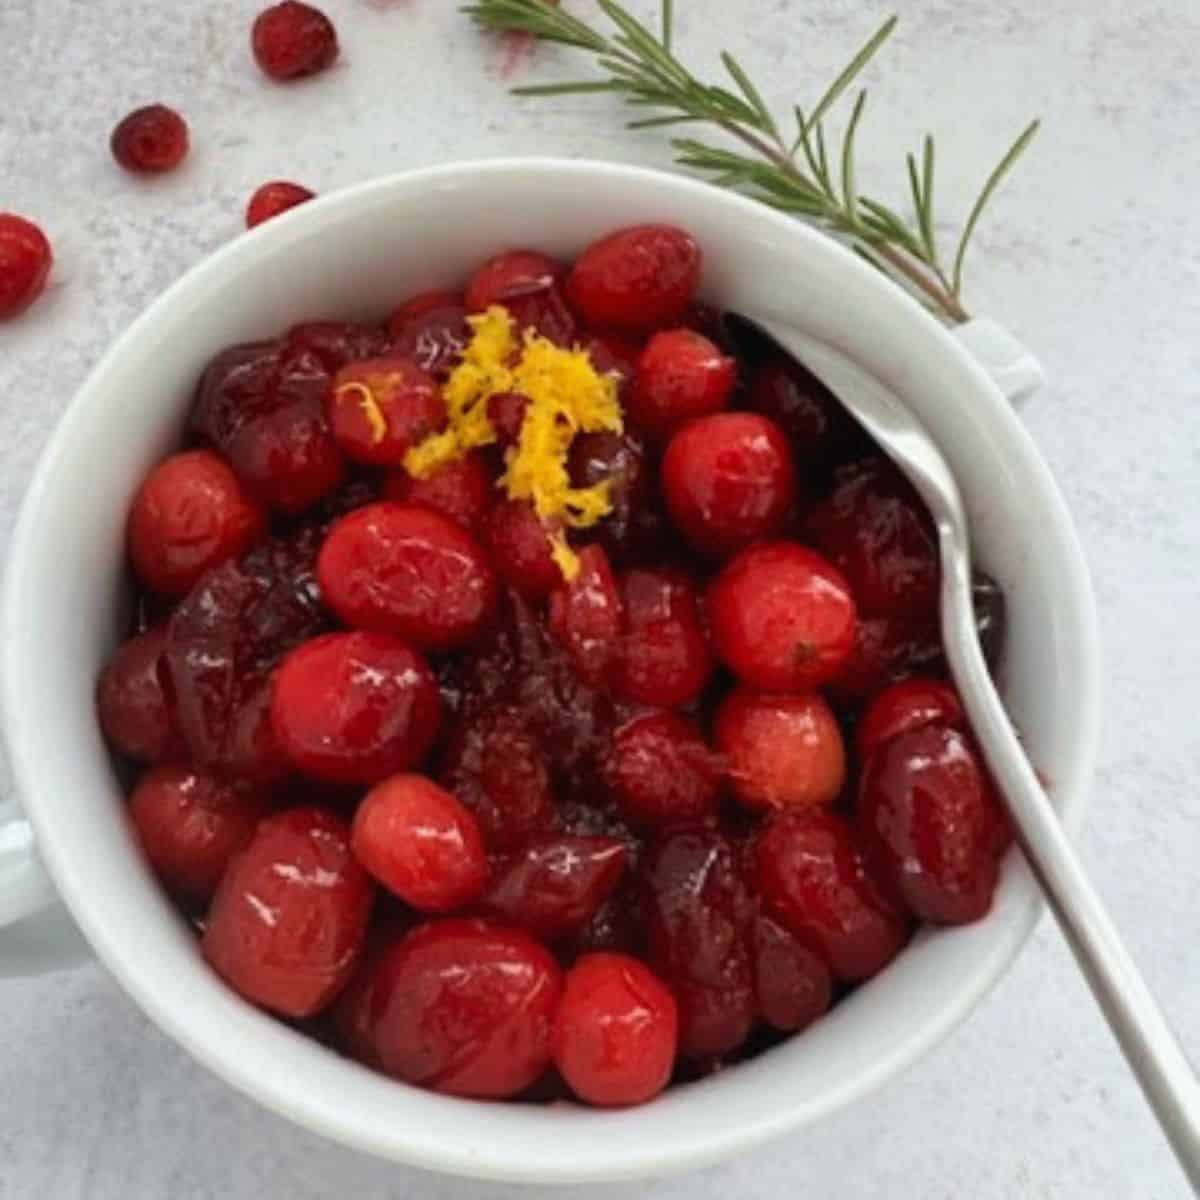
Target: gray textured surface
<point>1094,259</point>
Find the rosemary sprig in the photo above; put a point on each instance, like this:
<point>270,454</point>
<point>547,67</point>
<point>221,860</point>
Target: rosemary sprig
<point>795,175</point>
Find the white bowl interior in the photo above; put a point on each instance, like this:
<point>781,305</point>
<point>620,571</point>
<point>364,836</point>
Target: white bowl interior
<point>356,254</point>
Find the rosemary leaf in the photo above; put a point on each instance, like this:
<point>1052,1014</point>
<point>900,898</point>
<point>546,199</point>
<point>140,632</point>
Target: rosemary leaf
<point>755,100</point>
<point>849,184</point>
<point>848,76</point>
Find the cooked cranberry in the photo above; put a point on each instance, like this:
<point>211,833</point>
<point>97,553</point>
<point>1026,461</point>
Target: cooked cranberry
<point>339,343</point>
<point>586,616</point>
<point>190,825</point>
<point>555,884</point>
<point>291,39</point>
<point>545,311</point>
<point>271,199</point>
<point>616,1032</point>
<point>612,354</point>
<point>355,707</point>
<point>351,1013</point>
<point>793,983</point>
<point>133,699</point>
<point>907,705</point>
<point>636,279</point>
<point>519,547</point>
<point>728,480</point>
<point>680,375</point>
<point>811,878</point>
<point>782,618</point>
<point>190,514</point>
<point>663,772</point>
<point>506,415</point>
<point>421,843</point>
<point>407,570</point>
<point>664,658</point>
<point>150,140</point>
<point>423,302</point>
<point>380,408</point>
<point>290,915</point>
<point>462,490</point>
<point>635,527</point>
<point>514,273</point>
<point>434,337</point>
<point>780,751</point>
<point>925,809</point>
<point>25,259</point>
<point>991,617</point>
<point>466,1008</point>
<point>886,649</point>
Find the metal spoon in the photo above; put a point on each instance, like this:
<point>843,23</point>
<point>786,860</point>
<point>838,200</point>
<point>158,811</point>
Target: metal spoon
<point>1167,1078</point>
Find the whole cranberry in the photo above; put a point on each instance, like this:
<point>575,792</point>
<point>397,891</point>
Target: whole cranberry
<point>612,354</point>
<point>134,702</point>
<point>433,337</point>
<point>339,343</point>
<point>728,481</point>
<point>909,704</point>
<point>680,375</point>
<point>885,649</point>
<point>150,140</point>
<point>424,302</point>
<point>508,275</point>
<point>586,616</point>
<point>25,259</point>
<point>519,547</point>
<point>634,528</point>
<point>291,40</point>
<point>380,408</point>
<point>793,983</point>
<point>782,618</point>
<point>271,199</point>
<point>462,489</point>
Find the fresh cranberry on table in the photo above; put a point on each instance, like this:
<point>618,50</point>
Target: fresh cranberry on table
<point>586,615</point>
<point>680,375</point>
<point>271,199</point>
<point>509,275</point>
<point>380,408</point>
<point>134,700</point>
<point>909,704</point>
<point>25,259</point>
<point>150,140</point>
<point>290,40</point>
<point>792,981</point>
<point>463,489</point>
<point>520,548</point>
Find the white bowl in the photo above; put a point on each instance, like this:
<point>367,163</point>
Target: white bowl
<point>354,254</point>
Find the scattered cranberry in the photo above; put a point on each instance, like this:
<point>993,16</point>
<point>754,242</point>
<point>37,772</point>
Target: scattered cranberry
<point>291,40</point>
<point>680,375</point>
<point>520,549</point>
<point>586,616</point>
<point>25,259</point>
<point>137,712</point>
<point>150,140</point>
<point>515,273</point>
<point>793,983</point>
<point>433,337</point>
<point>910,704</point>
<point>274,198</point>
<point>662,771</point>
<point>462,489</point>
<point>381,408</point>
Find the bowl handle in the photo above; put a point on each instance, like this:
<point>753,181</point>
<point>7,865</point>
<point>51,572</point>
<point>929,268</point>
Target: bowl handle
<point>1012,367</point>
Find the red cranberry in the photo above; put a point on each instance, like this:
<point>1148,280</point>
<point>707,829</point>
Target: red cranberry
<point>636,279</point>
<point>991,617</point>
<point>612,354</point>
<point>290,915</point>
<point>520,549</point>
<point>420,843</point>
<point>662,771</point>
<point>291,39</point>
<point>634,528</point>
<point>506,415</point>
<point>793,983</point>
<point>189,515</point>
<point>355,707</point>
<point>466,1008</point>
<point>811,879</point>
<point>190,825</point>
<point>381,408</point>
<point>150,140</point>
<point>586,616</point>
<point>434,338</point>
<point>782,618</point>
<point>462,489</point>
<point>680,375</point>
<point>886,649</point>
<point>25,259</point>
<point>514,273</point>
<point>134,702</point>
<point>728,480</point>
<point>424,302</point>
<point>780,751</point>
<point>907,705</point>
<point>616,1032</point>
<point>274,198</point>
<point>404,569</point>
<point>339,343</point>
<point>546,312</point>
<point>926,812</point>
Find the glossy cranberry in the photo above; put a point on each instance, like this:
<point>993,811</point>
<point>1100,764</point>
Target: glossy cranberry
<point>612,354</point>
<point>380,408</point>
<point>520,550</point>
<point>555,884</point>
<point>662,771</point>
<point>680,375</point>
<point>780,751</point>
<point>190,825</point>
<point>134,701</point>
<point>514,273</point>
<point>355,707</point>
<point>462,490</point>
<point>811,878</point>
<point>423,302</point>
<point>664,658</point>
<point>634,527</point>
<point>782,618</point>
<point>25,259</point>
<point>434,338</point>
<point>339,343</point>
<point>271,199</point>
<point>545,311</point>
<point>466,1008</point>
<point>289,918</point>
<point>291,40</point>
<point>637,279</point>
<point>407,570</point>
<point>926,814</point>
<point>420,842</point>
<point>150,140</point>
<point>817,427</point>
<point>885,649</point>
<point>351,1013</point>
<point>190,514</point>
<point>728,481</point>
<point>793,983</point>
<point>910,704</point>
<point>586,616</point>
<point>506,415</point>
<point>616,1032</point>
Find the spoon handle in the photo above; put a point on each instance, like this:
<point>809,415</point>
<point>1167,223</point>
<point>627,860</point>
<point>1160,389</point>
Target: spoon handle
<point>1167,1078</point>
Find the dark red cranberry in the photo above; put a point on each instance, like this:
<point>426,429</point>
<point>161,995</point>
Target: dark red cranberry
<point>906,705</point>
<point>680,375</point>
<point>339,343</point>
<point>793,983</point>
<point>271,199</point>
<point>434,338</point>
<point>586,616</point>
<point>462,489</point>
<point>380,408</point>
<point>506,414</point>
<point>423,302</point>
<point>25,259</point>
<point>514,273</point>
<point>991,617</point>
<point>150,140</point>
<point>544,311</point>
<point>291,40</point>
<point>635,526</point>
<point>886,649</point>
<point>520,549</point>
<point>134,702</point>
<point>612,354</point>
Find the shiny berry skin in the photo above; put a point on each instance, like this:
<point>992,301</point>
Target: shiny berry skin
<point>434,337</point>
<point>420,843</point>
<point>190,514</point>
<point>291,40</point>
<point>927,818</point>
<point>462,490</point>
<point>612,354</point>
<point>554,885</point>
<point>336,344</point>
<point>909,704</point>
<point>25,259</point>
<point>635,527</point>
<point>782,618</point>
<point>664,658</point>
<point>793,984</point>
<point>616,1032</point>
<point>466,1008</point>
<point>637,279</point>
<point>424,302</point>
<point>780,751</point>
<point>134,702</point>
<point>662,771</point>
<point>274,198</point>
<point>810,874</point>
<point>514,273</point>
<point>586,616</point>
<point>680,375</point>
<point>728,480</point>
<point>817,427</point>
<point>380,408</point>
<point>355,707</point>
<point>406,570</point>
<point>520,550</point>
<point>885,649</point>
<point>150,140</point>
<point>506,415</point>
<point>290,915</point>
<point>190,825</point>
